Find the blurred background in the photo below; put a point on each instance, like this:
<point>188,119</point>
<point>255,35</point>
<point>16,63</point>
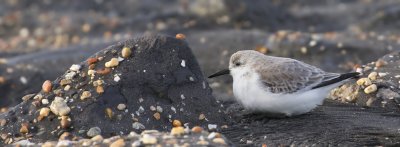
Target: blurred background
<point>40,39</point>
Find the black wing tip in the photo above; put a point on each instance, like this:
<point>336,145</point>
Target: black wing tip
<point>338,79</point>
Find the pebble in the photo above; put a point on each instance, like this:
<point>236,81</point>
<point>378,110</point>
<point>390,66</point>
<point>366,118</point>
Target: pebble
<point>373,75</point>
<point>64,82</point>
<point>180,36</point>
<point>157,116</point>
<point>152,108</point>
<point>219,140</point>
<point>91,60</point>
<point>380,63</point>
<point>67,88</point>
<point>126,52</point>
<point>70,75</point>
<point>116,78</point>
<point>202,116</point>
<point>148,139</point>
<point>91,72</point>
<point>159,109</point>
<point>3,122</point>
<point>121,107</point>
<point>369,102</point>
<point>65,122</point>
<point>59,107</point>
<point>109,113</point>
<point>75,67</point>
<point>118,143</point>
<point>364,81</point>
<point>176,123</point>
<point>382,74</point>
<point>45,101</point>
<point>202,142</point>
<point>85,95</point>
<point>44,111</point>
<point>99,89</point>
<point>27,97</point>
<point>94,131</point>
<point>24,129</point>
<point>183,63</point>
<point>177,131</point>
<point>370,89</point>
<point>104,71</point>
<point>97,138</point>
<point>212,126</point>
<point>112,63</point>
<point>138,126</point>
<point>46,87</point>
<point>197,129</point>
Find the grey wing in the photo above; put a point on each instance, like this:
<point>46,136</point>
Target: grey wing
<point>292,76</point>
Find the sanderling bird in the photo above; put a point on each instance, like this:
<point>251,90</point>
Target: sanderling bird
<point>278,85</point>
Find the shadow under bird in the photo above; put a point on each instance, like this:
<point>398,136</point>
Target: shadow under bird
<point>278,85</point>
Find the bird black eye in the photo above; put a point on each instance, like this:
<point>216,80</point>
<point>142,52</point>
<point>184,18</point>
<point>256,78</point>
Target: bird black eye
<point>237,63</point>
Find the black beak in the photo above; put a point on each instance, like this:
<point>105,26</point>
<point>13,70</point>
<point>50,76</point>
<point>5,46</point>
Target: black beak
<point>220,73</point>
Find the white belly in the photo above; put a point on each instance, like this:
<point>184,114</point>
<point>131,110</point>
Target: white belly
<point>254,98</point>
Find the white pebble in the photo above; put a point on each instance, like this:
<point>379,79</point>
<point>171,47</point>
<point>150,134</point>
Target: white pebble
<point>212,126</point>
<point>75,67</point>
<point>23,80</point>
<point>183,63</point>
<point>382,74</point>
<point>116,78</point>
<point>45,101</point>
<point>182,97</point>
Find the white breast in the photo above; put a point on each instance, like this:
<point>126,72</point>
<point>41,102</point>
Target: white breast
<point>250,93</point>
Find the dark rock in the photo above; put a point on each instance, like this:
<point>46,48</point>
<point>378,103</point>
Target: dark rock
<point>152,76</point>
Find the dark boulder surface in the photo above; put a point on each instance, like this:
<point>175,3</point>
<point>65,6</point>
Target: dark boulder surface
<point>160,82</point>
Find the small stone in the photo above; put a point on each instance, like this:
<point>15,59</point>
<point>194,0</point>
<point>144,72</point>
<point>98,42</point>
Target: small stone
<point>148,139</point>
<point>91,72</point>
<point>121,107</point>
<point>176,123</point>
<point>46,87</point>
<point>85,95</point>
<point>59,107</point>
<point>126,52</point>
<point>45,101</point>
<point>27,97</point>
<point>212,126</point>
<point>370,89</point>
<point>109,113</point>
<point>94,131</point>
<point>44,111</point>
<point>67,88</point>
<point>117,78</point>
<point>197,129</point>
<point>104,71</point>
<point>70,75</point>
<point>219,141</point>
<point>177,131</point>
<point>202,116</point>
<point>180,36</point>
<point>112,63</point>
<point>91,60</point>
<point>159,109</point>
<point>157,116</point>
<point>138,126</point>
<point>202,142</point>
<point>75,67</point>
<point>38,97</point>
<point>152,108</point>
<point>373,75</point>
<point>183,63</point>
<point>380,63</point>
<point>3,122</point>
<point>64,136</point>
<point>382,74</point>
<point>65,122</point>
<point>118,143</point>
<point>369,102</point>
<point>97,138</point>
<point>24,129</point>
<point>100,89</point>
<point>64,82</point>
